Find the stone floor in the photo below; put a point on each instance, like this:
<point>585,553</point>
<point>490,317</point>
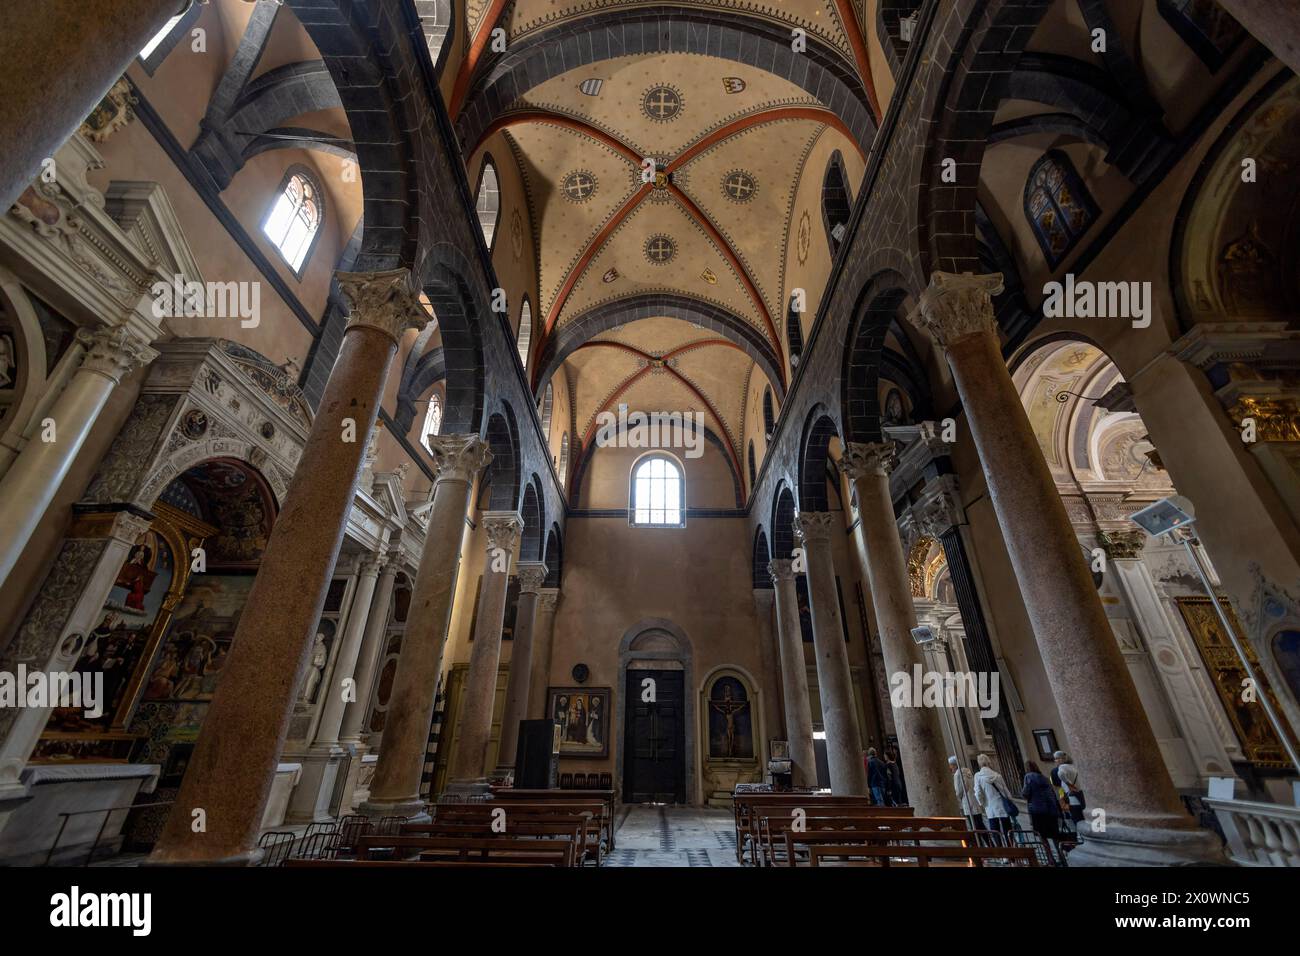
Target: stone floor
<point>673,836</point>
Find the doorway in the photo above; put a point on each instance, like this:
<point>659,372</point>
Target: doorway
<point>654,769</point>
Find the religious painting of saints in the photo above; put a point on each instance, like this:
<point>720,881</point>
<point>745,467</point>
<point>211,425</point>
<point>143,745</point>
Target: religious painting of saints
<point>121,638</point>
<point>583,716</point>
<point>731,727</point>
<point>198,640</point>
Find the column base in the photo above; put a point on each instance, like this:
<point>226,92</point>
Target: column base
<point>467,788</point>
<point>1124,845</point>
<point>413,810</point>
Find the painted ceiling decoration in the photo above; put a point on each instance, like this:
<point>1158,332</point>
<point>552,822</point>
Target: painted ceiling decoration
<point>663,152</point>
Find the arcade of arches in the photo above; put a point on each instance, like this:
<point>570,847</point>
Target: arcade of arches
<point>328,333</point>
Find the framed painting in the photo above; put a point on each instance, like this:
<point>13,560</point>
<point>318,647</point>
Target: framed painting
<point>583,717</point>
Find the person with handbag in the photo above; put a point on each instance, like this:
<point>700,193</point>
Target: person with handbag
<point>1044,811</point>
<point>1068,776</point>
<point>994,798</point>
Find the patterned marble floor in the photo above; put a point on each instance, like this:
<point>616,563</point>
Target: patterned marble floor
<point>673,836</point>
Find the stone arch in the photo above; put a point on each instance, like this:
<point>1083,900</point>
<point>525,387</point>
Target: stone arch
<point>502,479</point>
<point>565,340</point>
<point>814,455</point>
<point>459,313</point>
<point>662,643</point>
<point>530,544</point>
<point>783,512</point>
<point>878,307</point>
<point>554,557</point>
<point>610,33</point>
<point>30,359</point>
<point>215,447</point>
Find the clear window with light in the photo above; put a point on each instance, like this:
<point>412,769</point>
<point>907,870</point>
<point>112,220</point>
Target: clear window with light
<point>432,420</point>
<point>488,201</point>
<point>295,219</point>
<point>657,498</point>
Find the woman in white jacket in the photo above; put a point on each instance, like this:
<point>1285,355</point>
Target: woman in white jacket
<point>992,795</point>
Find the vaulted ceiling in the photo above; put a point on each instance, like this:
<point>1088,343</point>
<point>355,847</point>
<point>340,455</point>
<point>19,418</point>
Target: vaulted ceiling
<point>669,294</point>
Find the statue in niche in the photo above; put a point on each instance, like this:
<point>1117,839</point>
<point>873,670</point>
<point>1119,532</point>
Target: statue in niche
<point>319,654</point>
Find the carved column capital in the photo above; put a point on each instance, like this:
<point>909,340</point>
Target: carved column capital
<point>370,564</point>
<point>114,352</point>
<point>1123,545</point>
<point>531,576</point>
<point>383,301</point>
<point>781,569</point>
<point>503,529</point>
<point>813,526</point>
<point>458,457</point>
<point>127,527</point>
<point>937,511</point>
<point>868,459</point>
<point>955,307</point>
<point>548,599</point>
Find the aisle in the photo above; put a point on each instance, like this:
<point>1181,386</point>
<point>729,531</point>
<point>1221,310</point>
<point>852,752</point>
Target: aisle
<point>673,836</point>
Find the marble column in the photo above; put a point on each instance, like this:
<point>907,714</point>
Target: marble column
<point>58,59</point>
<point>469,762</point>
<point>395,789</point>
<point>920,728</point>
<point>338,695</point>
<point>519,683</point>
<point>230,774</point>
<point>794,674</point>
<point>548,600</point>
<point>1101,714</point>
<point>35,477</point>
<point>372,649</point>
<point>769,661</point>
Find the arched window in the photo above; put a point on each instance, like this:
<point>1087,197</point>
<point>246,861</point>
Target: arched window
<point>794,333</point>
<point>753,470</point>
<point>564,459</point>
<point>294,221</point>
<point>488,202</point>
<point>548,405</point>
<point>1058,206</point>
<point>837,204</point>
<point>769,417</point>
<point>432,420</point>
<point>524,338</point>
<point>657,493</point>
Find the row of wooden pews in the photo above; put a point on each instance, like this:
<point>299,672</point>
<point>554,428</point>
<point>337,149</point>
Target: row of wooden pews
<point>817,829</point>
<point>543,828</point>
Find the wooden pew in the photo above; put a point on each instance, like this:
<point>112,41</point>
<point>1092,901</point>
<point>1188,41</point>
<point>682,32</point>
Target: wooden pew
<point>501,849</point>
<point>583,830</point>
<point>818,808</point>
<point>774,830</point>
<point>426,864</point>
<point>893,832</point>
<point>566,796</point>
<point>743,801</point>
<point>597,809</point>
<point>848,854</point>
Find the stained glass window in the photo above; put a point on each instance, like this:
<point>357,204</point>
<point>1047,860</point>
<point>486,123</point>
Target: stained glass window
<point>1058,206</point>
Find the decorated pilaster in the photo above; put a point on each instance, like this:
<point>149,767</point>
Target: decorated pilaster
<point>218,812</point>
<point>518,685</point>
<point>919,726</point>
<point>834,679</point>
<point>548,601</point>
<point>469,761</point>
<point>36,475</point>
<point>1107,730</point>
<point>395,789</point>
<point>794,674</point>
<point>372,644</point>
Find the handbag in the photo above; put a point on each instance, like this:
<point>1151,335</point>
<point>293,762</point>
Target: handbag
<point>1008,805</point>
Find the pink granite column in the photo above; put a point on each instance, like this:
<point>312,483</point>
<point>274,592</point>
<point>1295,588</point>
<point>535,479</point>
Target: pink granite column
<point>58,59</point>
<point>519,683</point>
<point>469,762</point>
<point>395,789</point>
<point>919,728</point>
<point>834,680</point>
<point>1122,772</point>
<point>218,812</point>
<point>794,675</point>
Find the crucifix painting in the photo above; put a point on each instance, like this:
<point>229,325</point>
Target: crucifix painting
<point>731,731</point>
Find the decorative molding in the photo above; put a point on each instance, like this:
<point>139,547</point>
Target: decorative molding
<point>458,457</point>
<point>954,307</point>
<point>781,569</point>
<point>868,459</point>
<point>503,530</point>
<point>531,576</point>
<point>814,526</point>
<point>382,301</point>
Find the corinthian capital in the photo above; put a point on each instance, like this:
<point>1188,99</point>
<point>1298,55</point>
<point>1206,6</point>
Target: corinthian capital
<point>814,525</point>
<point>383,301</point>
<point>531,576</point>
<point>503,529</point>
<point>781,569</point>
<point>957,306</point>
<point>458,457</point>
<point>864,459</point>
<point>114,352</point>
<point>548,598</point>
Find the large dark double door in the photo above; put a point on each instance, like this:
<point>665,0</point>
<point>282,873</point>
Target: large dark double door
<point>654,761</point>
